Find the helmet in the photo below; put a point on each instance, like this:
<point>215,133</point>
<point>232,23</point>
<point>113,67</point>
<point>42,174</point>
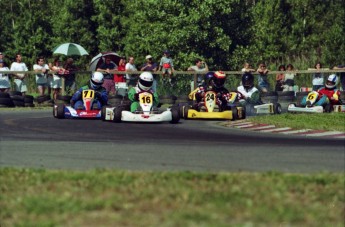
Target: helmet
<point>96,80</point>
<point>219,79</point>
<point>145,81</point>
<point>209,77</point>
<point>248,80</point>
<point>332,81</point>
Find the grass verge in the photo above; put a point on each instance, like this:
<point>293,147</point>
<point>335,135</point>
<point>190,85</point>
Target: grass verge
<point>32,197</point>
<point>329,121</point>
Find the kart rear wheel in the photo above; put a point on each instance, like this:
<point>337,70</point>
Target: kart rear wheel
<point>103,113</point>
<point>59,111</point>
<point>175,115</point>
<point>244,114</point>
<point>277,108</point>
<point>234,111</point>
<point>185,110</point>
<point>117,114</point>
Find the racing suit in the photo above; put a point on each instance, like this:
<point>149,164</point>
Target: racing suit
<point>222,96</point>
<point>250,96</point>
<point>101,97</point>
<point>133,96</point>
<point>326,95</point>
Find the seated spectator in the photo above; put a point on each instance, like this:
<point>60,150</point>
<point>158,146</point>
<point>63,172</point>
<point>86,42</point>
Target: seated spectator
<point>280,79</point>
<point>263,83</point>
<point>342,75</point>
<point>318,78</point>
<point>247,68</point>
<point>289,81</point>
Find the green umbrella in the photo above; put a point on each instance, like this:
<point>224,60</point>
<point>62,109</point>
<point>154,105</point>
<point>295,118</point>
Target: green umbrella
<point>70,49</point>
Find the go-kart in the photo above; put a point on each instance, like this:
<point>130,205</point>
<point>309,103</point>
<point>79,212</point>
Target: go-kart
<point>251,109</point>
<point>145,113</point>
<point>209,109</point>
<point>311,100</point>
<point>65,111</point>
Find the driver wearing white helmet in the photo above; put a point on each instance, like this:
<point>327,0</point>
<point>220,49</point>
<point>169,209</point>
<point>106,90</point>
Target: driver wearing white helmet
<point>328,94</point>
<point>144,85</point>
<point>95,83</point>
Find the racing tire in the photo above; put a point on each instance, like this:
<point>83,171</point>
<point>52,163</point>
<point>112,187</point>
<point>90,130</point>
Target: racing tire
<point>234,111</point>
<point>185,110</point>
<point>328,108</point>
<point>103,113</point>
<point>6,102</point>
<point>117,114</point>
<point>13,93</point>
<point>43,98</point>
<point>244,113</point>
<point>175,115</point>
<point>18,103</point>
<point>4,95</point>
<point>59,111</point>
<point>277,108</point>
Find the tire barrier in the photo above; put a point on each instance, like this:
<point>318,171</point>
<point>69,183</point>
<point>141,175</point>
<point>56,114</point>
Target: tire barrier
<point>299,96</point>
<point>268,97</point>
<point>285,98</point>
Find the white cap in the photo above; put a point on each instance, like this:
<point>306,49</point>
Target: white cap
<point>148,57</point>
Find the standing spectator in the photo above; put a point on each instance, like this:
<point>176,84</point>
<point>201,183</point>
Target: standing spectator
<point>56,82</point>
<point>318,78</point>
<point>19,78</point>
<point>289,81</point>
<point>280,79</point>
<point>70,76</point>
<point>150,66</point>
<point>130,67</point>
<point>120,78</point>
<point>166,65</point>
<point>263,83</point>
<point>4,78</point>
<point>41,77</point>
<point>199,66</point>
<point>105,68</point>
<point>342,75</point>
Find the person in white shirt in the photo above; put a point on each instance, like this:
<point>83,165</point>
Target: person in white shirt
<point>130,78</point>
<point>19,78</point>
<point>41,77</point>
<point>4,78</point>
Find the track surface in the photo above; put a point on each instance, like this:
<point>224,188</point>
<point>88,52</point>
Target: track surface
<point>36,139</point>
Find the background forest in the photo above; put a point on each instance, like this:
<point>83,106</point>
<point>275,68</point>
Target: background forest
<point>225,33</point>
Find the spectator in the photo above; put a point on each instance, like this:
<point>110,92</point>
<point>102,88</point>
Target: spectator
<point>41,77</point>
<point>318,78</point>
<point>150,66</point>
<point>4,78</point>
<point>105,68</point>
<point>2,57</point>
<point>262,79</point>
<point>69,76</point>
<point>280,79</point>
<point>19,78</point>
<point>289,82</point>
<point>101,97</point>
<point>120,78</point>
<point>199,66</point>
<point>342,75</point>
<point>247,68</point>
<point>166,65</point>
<point>56,81</point>
<point>130,67</point>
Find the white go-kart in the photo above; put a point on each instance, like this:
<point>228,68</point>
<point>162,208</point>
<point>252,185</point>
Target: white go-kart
<point>145,113</point>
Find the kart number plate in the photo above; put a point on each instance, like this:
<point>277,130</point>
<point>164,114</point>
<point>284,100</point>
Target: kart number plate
<point>312,96</point>
<point>145,98</point>
<point>232,97</point>
<point>88,94</point>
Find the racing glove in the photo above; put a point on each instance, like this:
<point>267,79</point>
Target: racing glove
<point>136,97</point>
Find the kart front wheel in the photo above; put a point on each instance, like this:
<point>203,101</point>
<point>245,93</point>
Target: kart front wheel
<point>117,114</point>
<point>175,115</point>
<point>328,108</point>
<point>103,113</point>
<point>59,111</point>
<point>234,111</point>
<point>277,108</point>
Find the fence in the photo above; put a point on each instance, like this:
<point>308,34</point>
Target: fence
<point>183,79</point>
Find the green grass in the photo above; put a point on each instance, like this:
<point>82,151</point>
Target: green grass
<point>118,198</point>
<point>327,121</point>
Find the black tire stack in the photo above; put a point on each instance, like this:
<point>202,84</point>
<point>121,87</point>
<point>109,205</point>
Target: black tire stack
<point>44,101</point>
<point>6,101</point>
<point>269,97</point>
<point>285,98</point>
<point>167,99</point>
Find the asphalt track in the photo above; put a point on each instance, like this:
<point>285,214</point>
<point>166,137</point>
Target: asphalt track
<point>36,139</point>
